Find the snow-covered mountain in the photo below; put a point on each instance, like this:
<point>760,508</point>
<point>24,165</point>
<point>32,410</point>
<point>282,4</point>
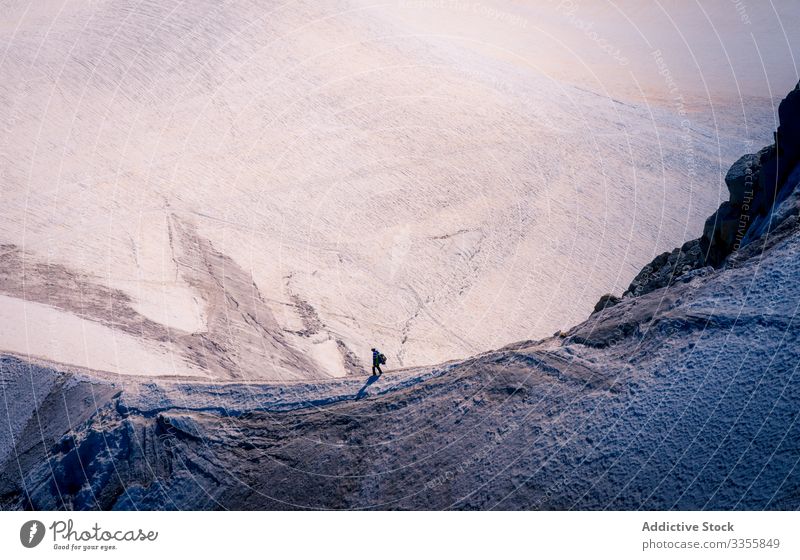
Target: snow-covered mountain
<point>265,190</point>
<point>682,394</point>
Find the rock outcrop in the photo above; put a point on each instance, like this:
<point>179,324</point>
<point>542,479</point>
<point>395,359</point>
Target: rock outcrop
<point>757,184</point>
<point>608,300</point>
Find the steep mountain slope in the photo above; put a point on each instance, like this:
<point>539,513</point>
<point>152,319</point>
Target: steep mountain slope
<point>214,189</point>
<point>682,395</point>
<point>695,405</point>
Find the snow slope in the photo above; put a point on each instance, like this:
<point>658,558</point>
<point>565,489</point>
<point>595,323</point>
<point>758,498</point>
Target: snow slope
<point>685,398</point>
<point>434,178</point>
<point>680,395</point>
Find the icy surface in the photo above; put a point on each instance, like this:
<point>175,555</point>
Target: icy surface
<point>435,178</point>
<point>682,398</point>
<point>39,331</point>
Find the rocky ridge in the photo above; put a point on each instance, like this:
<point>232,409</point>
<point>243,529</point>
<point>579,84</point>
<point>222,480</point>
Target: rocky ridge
<point>757,183</point>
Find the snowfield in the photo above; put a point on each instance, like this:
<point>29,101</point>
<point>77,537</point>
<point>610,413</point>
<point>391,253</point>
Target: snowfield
<point>266,190</point>
<point>685,398</point>
<point>212,211</point>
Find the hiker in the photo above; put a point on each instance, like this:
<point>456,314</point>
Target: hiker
<point>377,360</point>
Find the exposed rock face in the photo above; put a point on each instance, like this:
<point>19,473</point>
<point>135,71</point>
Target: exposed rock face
<point>608,300</point>
<point>788,135</point>
<point>667,268</point>
<point>752,184</point>
<point>756,183</point>
<point>742,178</point>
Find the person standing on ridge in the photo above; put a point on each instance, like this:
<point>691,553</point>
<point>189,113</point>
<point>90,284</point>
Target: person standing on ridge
<point>377,360</point>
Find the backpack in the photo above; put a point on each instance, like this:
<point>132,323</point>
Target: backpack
<point>381,359</point>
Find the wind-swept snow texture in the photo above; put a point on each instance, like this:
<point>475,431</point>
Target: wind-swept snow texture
<point>227,204</point>
<point>265,190</point>
<point>688,400</point>
<point>684,397</point>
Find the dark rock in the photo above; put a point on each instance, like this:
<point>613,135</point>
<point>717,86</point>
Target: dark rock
<point>788,135</point>
<point>721,232</point>
<point>666,268</point>
<point>606,301</point>
<point>768,183</point>
<point>742,178</point>
<point>754,182</point>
